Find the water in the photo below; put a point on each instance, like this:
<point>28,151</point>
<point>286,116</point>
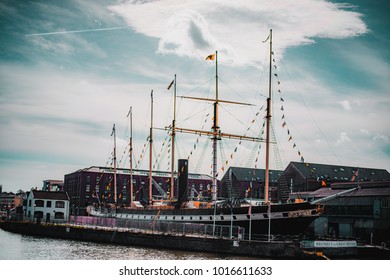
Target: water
<point>22,247</point>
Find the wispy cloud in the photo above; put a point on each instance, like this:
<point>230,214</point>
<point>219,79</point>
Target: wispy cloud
<point>346,105</point>
<point>63,88</point>
<point>236,29</point>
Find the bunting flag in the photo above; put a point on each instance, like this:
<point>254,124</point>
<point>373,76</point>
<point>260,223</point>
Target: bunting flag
<point>210,57</point>
<point>170,85</point>
<point>284,123</point>
<point>240,142</point>
<point>323,183</point>
<point>355,174</point>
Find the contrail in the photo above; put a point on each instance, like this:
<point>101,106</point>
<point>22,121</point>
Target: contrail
<point>76,31</point>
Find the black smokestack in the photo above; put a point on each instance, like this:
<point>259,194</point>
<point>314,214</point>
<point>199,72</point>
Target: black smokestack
<point>182,181</point>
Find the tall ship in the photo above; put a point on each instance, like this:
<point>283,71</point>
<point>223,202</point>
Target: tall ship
<point>256,216</point>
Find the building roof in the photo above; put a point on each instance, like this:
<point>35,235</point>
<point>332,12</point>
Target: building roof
<point>339,173</point>
<point>54,181</point>
<point>246,174</point>
<point>138,172</point>
<point>50,195</point>
<point>366,189</point>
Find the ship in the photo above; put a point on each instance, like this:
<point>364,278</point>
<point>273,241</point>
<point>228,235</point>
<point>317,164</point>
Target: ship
<point>254,216</point>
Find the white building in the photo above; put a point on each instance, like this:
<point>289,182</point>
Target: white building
<point>47,206</point>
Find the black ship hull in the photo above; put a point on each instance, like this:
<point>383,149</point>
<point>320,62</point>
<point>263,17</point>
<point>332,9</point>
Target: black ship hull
<point>291,218</point>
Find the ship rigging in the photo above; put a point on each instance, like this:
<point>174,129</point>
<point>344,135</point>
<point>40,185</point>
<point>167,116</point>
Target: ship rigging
<point>286,218</point>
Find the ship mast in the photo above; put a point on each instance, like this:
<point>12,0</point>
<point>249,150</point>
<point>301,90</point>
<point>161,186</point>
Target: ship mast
<point>151,151</point>
<point>113,133</point>
<point>215,133</point>
<point>173,143</point>
<point>130,115</point>
<point>268,119</point>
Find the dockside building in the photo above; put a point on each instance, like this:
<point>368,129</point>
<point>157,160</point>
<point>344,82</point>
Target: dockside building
<point>240,182</point>
<point>95,184</point>
<point>363,213</point>
<point>301,178</point>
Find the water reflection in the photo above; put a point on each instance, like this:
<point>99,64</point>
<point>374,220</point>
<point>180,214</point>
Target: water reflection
<point>22,247</point>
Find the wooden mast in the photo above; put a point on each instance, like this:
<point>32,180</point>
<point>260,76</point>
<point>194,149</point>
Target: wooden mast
<point>151,151</point>
<point>130,115</point>
<point>215,134</point>
<point>268,117</point>
<point>173,143</point>
<point>113,133</point>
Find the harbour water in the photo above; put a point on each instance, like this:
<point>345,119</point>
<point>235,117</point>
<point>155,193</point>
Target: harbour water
<point>22,247</point>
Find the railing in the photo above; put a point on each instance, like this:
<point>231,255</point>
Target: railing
<point>188,229</point>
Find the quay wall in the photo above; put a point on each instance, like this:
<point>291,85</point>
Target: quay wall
<point>256,249</point>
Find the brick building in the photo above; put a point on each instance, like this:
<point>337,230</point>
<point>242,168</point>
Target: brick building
<point>95,184</point>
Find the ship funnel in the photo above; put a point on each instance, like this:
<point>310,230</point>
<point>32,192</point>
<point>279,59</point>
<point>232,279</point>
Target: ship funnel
<point>182,174</point>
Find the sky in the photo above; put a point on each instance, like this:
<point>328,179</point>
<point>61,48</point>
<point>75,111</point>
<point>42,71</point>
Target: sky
<point>71,69</point>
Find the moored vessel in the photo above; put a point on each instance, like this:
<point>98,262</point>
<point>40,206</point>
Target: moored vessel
<point>257,217</point>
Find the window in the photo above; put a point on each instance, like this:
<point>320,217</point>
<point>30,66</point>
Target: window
<point>39,203</point>
<point>29,203</point>
<point>60,204</point>
<point>48,204</point>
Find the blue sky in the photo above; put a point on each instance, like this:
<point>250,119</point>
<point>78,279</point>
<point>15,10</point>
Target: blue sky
<point>70,69</point>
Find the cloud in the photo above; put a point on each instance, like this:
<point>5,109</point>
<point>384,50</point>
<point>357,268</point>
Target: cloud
<point>60,97</point>
<point>346,105</point>
<point>190,28</point>
<point>381,138</point>
<point>186,30</point>
<point>343,138</point>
